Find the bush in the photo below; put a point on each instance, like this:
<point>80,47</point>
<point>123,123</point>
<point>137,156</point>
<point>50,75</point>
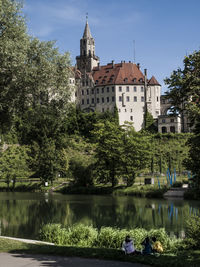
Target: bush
<point>82,236</point>
<point>107,237</point>
<point>192,230</point>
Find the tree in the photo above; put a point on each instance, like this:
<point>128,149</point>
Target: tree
<point>14,163</point>
<point>184,87</point>
<point>136,153</point>
<point>184,93</point>
<point>48,162</point>
<point>14,42</point>
<point>108,152</point>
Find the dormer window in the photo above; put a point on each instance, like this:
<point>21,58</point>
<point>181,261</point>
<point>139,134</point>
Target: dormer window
<point>134,80</point>
<point>140,80</point>
<point>96,82</point>
<point>125,80</point>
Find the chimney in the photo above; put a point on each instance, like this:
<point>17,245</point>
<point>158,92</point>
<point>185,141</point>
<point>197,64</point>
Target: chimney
<point>138,65</point>
<point>98,66</point>
<point>113,63</point>
<point>129,61</point>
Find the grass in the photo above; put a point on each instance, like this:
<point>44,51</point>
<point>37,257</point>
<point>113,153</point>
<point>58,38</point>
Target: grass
<point>184,258</point>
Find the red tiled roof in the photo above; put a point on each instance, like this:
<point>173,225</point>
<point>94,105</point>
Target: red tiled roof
<point>153,81</point>
<point>122,73</point>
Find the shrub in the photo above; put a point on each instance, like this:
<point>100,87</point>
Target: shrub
<point>53,233</point>
<point>192,230</point>
<point>81,235</point>
<point>110,237</point>
<point>107,237</point>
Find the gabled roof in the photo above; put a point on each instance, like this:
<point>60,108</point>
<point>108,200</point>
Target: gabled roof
<point>122,73</point>
<point>153,81</point>
<point>87,33</point>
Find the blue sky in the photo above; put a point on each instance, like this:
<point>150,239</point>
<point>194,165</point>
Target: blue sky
<point>164,30</point>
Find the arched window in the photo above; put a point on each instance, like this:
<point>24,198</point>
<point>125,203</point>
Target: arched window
<point>164,129</point>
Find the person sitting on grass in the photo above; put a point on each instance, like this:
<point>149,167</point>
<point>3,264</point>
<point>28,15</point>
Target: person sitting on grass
<point>157,246</point>
<point>128,246</point>
<point>147,250</point>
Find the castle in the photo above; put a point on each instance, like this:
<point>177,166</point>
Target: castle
<point>123,86</point>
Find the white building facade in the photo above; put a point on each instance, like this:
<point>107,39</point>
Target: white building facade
<point>122,86</point>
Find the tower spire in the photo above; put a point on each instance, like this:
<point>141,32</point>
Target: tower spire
<point>87,33</point>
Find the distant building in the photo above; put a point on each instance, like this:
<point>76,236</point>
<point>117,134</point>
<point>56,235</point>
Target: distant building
<point>123,86</point>
<point>172,123</point>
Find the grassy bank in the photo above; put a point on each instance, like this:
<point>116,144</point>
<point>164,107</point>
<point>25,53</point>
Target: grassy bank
<point>148,191</point>
<point>183,258</point>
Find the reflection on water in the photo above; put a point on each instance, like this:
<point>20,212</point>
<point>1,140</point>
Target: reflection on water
<point>22,214</point>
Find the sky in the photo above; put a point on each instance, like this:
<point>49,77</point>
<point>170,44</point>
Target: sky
<point>156,33</point>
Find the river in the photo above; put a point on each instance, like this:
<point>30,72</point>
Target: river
<point>22,214</point>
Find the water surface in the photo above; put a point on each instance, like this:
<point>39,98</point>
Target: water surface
<point>22,214</point>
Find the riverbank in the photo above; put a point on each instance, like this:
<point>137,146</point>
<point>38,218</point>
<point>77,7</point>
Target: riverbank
<point>182,258</point>
<point>137,190</point>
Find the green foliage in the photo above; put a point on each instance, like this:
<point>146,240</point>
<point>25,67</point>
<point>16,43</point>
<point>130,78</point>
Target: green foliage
<point>192,231</point>
<point>106,237</point>
<point>48,161</point>
<point>193,162</point>
<point>14,42</point>
<point>184,86</point>
<point>150,123</point>
<point>14,164</point>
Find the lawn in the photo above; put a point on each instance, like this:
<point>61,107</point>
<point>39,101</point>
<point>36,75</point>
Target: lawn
<point>184,258</point>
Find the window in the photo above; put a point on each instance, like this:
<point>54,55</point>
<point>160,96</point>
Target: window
<point>125,109</point>
<point>120,98</point>
<point>135,98</point>
<point>102,109</point>
<point>113,89</point>
<point>102,90</point>
<point>163,120</point>
<point>142,89</point>
<point>171,120</point>
<point>83,83</point>
<point>92,91</point>
<point>157,99</point>
<point>135,89</point>
<point>113,99</point>
<point>97,100</point>
<point>102,99</point>
<point>82,101</point>
<point>120,88</point>
<point>92,100</point>
<point>164,129</point>
<point>119,110</point>
<point>87,92</point>
<point>108,89</point>
<point>97,90</point>
<point>131,118</point>
<point>172,129</point>
<point>131,110</point>
<point>107,99</point>
<point>86,82</point>
<point>142,98</point>
<point>127,98</point>
<point>127,88</point>
<point>88,101</point>
<point>82,92</point>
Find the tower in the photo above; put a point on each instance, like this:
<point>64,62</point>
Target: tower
<point>87,59</point>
